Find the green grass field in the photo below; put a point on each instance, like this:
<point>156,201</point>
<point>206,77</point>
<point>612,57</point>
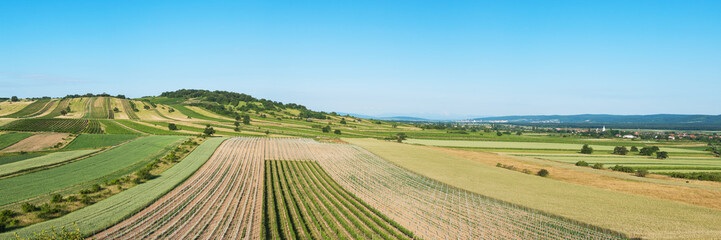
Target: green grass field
<point>122,205</point>
<point>17,157</point>
<point>85,141</point>
<point>528,145</point>
<point>148,129</point>
<point>112,127</point>
<point>110,164</point>
<point>45,160</point>
<point>673,163</point>
<point>634,215</point>
<point>8,139</point>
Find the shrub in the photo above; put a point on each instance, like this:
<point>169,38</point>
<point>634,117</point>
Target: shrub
<point>586,149</point>
<point>543,173</point>
<point>336,131</point>
<point>620,150</point>
<point>526,171</point>
<point>582,164</point>
<point>597,166</point>
<point>621,168</point>
<point>172,127</point>
<point>648,151</point>
<point>661,155</point>
<point>641,172</point>
<point>29,207</point>
<point>634,149</point>
<point>57,198</point>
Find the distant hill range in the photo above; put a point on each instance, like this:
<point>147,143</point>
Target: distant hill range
<point>655,121</point>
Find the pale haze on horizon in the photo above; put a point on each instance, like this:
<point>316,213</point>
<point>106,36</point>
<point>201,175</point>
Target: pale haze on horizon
<point>428,59</point>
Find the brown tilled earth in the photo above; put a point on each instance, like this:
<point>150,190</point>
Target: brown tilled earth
<point>37,142</point>
<point>695,196</point>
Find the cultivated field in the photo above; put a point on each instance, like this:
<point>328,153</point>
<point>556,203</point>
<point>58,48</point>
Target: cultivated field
<point>49,159</point>
<point>111,164</point>
<point>32,109</point>
<point>526,145</point>
<point>8,139</point>
<point>37,142</point>
<point>85,141</point>
<point>107,212</point>
<point>223,200</point>
<point>8,107</point>
<point>651,163</point>
<point>54,125</point>
<point>636,216</point>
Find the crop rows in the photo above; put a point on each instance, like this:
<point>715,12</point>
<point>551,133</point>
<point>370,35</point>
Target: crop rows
<point>222,200</point>
<point>302,202</point>
<point>109,108</point>
<point>129,110</point>
<point>54,125</point>
<point>62,105</point>
<point>431,209</point>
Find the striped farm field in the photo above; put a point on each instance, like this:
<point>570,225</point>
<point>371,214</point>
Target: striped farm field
<point>149,129</point>
<point>55,125</point>
<point>112,127</point>
<point>10,107</point>
<point>85,141</point>
<point>105,213</point>
<point>62,105</point>
<point>303,202</point>
<point>223,200</point>
<point>627,213</point>
<point>100,108</point>
<point>49,159</point>
<point>673,163</point>
<point>111,164</point>
<point>525,145</point>
<point>8,139</point>
<point>31,109</point>
<point>17,157</point>
<point>128,108</point>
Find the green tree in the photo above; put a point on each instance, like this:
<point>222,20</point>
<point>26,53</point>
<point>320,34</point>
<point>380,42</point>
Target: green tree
<point>116,109</point>
<point>326,129</point>
<point>209,131</point>
<point>634,149</point>
<point>63,112</point>
<point>14,99</point>
<point>246,119</point>
<point>172,127</point>
<point>586,149</point>
<point>498,133</point>
<point>519,133</point>
<point>237,124</point>
<point>342,121</point>
<point>620,150</point>
<point>543,173</point>
<point>648,151</point>
<point>337,131</point>
<point>661,155</point>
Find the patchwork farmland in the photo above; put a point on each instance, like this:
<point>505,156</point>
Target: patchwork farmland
<point>199,164</point>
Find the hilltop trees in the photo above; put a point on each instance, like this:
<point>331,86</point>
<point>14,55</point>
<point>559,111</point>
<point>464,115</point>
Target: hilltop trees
<point>14,99</point>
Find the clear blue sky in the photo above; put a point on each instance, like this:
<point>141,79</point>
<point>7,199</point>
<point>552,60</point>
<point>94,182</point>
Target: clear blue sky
<point>439,59</point>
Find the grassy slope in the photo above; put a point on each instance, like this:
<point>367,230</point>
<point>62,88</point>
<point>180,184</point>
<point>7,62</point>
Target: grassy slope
<point>113,163</point>
<point>17,157</point>
<point>634,215</point>
<point>148,129</point>
<point>11,138</point>
<point>638,161</point>
<point>48,159</point>
<point>122,205</point>
<point>98,140</point>
<point>30,109</point>
<point>8,107</point>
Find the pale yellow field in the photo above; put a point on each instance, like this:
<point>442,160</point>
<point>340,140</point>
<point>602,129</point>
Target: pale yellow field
<point>78,108</point>
<point>8,107</point>
<point>177,115</point>
<point>118,103</point>
<point>207,113</point>
<point>147,114</point>
<point>637,216</point>
<point>4,121</point>
<point>38,142</point>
